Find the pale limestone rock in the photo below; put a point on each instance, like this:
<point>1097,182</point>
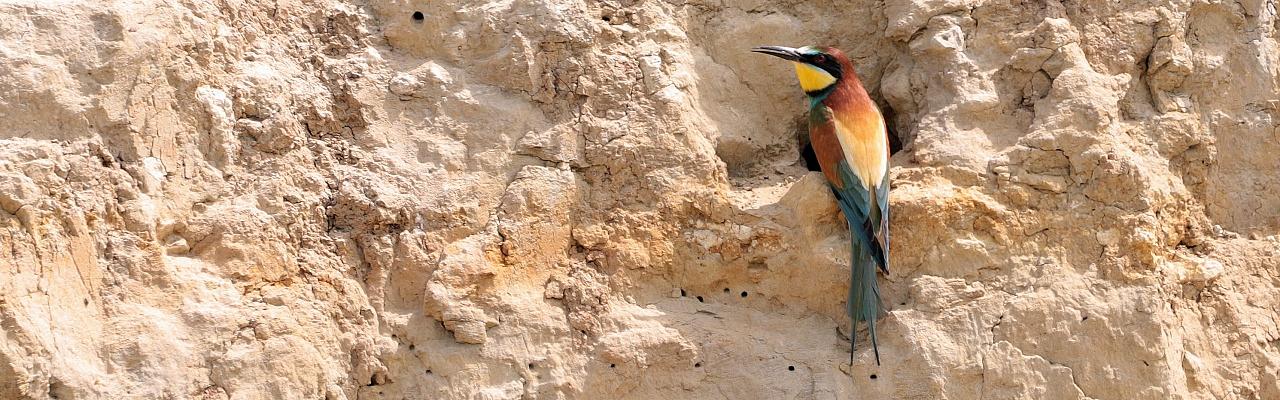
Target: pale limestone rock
<point>1204,271</point>
<point>222,143</point>
<point>16,192</point>
<point>404,85</point>
<point>561,145</point>
<point>175,245</point>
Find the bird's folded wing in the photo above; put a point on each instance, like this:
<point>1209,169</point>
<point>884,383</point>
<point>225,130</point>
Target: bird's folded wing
<point>865,216</point>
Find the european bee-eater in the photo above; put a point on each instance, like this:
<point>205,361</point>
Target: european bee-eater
<point>851,143</point>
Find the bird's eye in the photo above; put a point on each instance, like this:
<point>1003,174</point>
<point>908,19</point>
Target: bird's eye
<point>822,58</point>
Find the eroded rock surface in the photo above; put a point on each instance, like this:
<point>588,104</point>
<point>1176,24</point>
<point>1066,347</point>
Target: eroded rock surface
<point>605,199</point>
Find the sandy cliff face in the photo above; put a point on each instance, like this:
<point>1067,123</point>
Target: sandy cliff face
<point>583,199</point>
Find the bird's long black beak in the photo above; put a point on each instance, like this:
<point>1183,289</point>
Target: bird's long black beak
<point>779,51</point>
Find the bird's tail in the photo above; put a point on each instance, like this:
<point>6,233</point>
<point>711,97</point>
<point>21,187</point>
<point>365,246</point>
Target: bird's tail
<point>864,296</point>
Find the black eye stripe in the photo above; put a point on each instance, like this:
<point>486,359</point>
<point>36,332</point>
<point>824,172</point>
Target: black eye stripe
<point>827,63</point>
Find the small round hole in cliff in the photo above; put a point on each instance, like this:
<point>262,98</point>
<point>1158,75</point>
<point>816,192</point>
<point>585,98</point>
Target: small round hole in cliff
<point>726,290</point>
<point>412,347</point>
<point>613,365</point>
<point>744,294</point>
<point>700,299</point>
<point>418,17</point>
<point>697,365</point>
<point>791,368</point>
<point>532,366</point>
<point>873,376</point>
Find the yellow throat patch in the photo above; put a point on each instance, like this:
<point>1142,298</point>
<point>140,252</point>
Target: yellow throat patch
<point>812,78</point>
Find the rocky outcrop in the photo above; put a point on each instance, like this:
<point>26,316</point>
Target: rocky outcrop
<point>579,199</point>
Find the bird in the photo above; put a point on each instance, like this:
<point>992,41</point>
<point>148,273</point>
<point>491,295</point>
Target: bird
<point>851,143</point>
